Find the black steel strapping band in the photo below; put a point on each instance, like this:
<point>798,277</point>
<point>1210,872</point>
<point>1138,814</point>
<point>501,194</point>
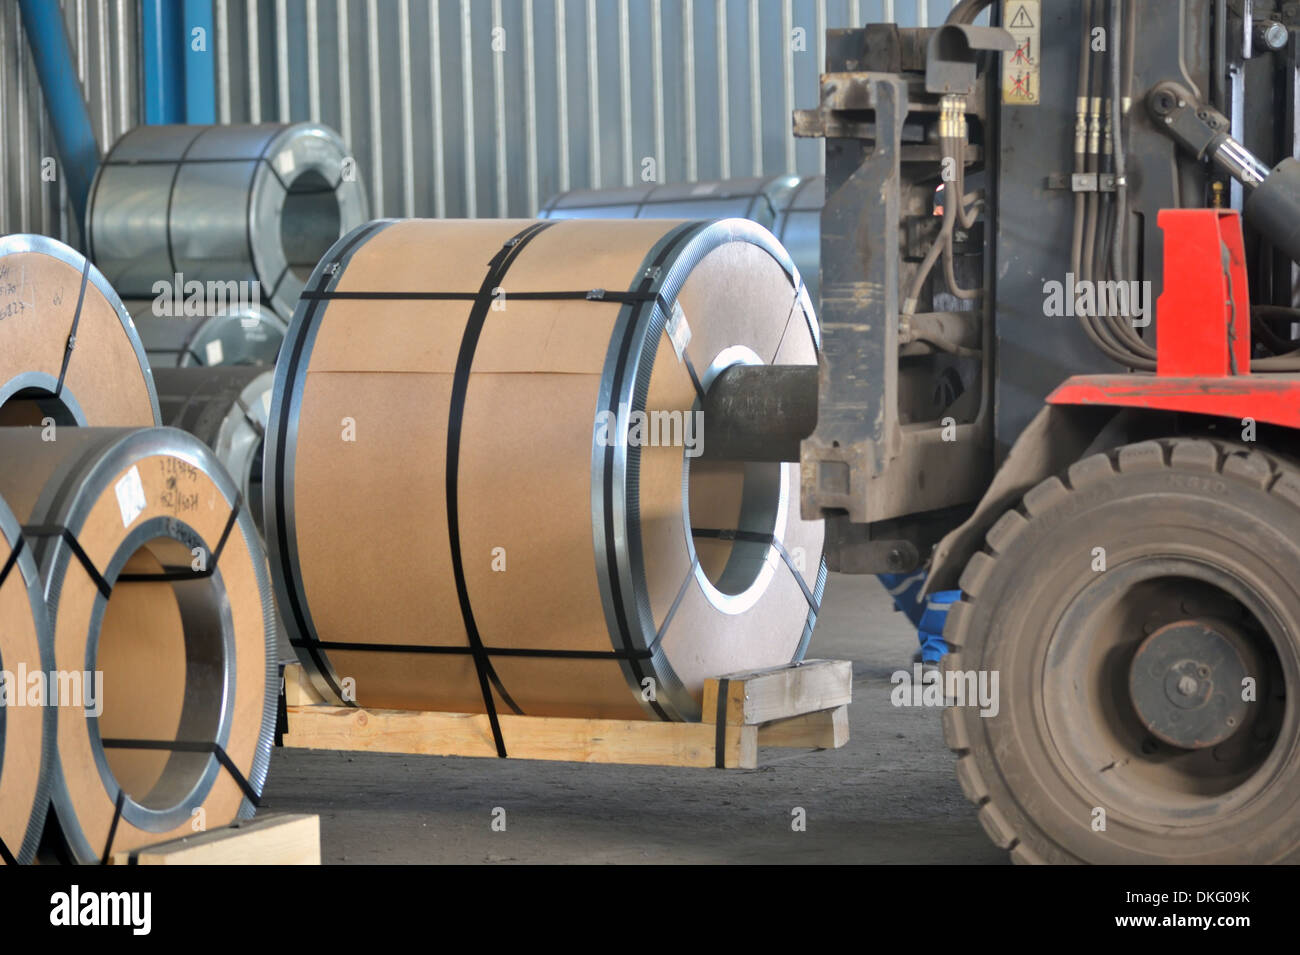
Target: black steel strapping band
<point>453,650</point>
<point>587,295</point>
<point>649,292</point>
<point>8,857</point>
<point>212,748</point>
<point>11,560</point>
<point>57,530</point>
<point>293,357</point>
<point>171,194</point>
<point>101,584</point>
<point>248,416</point>
<point>112,829</point>
<point>497,270</point>
<point>278,279</point>
<point>281,712</point>
<point>753,537</point>
<point>677,602</point>
<point>720,720</point>
<point>198,359</point>
<point>798,577</point>
<point>182,574</point>
<point>72,333</point>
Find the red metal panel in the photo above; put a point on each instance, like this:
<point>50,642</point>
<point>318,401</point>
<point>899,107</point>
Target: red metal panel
<point>1268,399</point>
<point>1203,313</point>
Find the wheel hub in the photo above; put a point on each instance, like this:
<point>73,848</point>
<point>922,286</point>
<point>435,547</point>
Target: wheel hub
<point>1186,682</point>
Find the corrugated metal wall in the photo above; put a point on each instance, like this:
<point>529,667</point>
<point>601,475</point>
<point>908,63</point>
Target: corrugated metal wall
<point>487,107</point>
<point>104,35</point>
<point>468,107</point>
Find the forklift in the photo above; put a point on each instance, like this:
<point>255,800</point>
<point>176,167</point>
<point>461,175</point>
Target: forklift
<point>1060,373</point>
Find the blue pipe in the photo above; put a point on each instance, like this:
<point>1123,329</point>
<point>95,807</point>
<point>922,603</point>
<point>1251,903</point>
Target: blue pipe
<point>74,137</point>
<point>200,81</point>
<point>164,61</point>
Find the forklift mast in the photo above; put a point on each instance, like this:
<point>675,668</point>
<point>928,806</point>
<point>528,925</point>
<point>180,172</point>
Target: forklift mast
<point>973,188</point>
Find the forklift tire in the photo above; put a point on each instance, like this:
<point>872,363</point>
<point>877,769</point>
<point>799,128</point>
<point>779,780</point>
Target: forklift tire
<point>1141,616</point>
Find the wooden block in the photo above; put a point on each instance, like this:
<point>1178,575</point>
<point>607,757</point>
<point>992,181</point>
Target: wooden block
<point>526,737</point>
<point>298,690</point>
<point>827,729</point>
<point>271,839</point>
<point>781,692</point>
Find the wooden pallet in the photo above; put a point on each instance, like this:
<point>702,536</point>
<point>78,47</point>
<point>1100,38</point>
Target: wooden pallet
<point>269,839</point>
<point>802,705</point>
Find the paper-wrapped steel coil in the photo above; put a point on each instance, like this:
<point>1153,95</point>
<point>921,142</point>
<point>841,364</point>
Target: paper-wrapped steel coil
<point>226,408</point>
<point>68,350</point>
<point>788,205</point>
<point>154,577</point>
<point>222,204</point>
<point>244,335</point>
<point>447,522</point>
<point>26,724</point>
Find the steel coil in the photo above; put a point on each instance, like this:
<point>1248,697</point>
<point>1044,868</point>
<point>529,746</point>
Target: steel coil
<point>155,585</point>
<point>788,205</point>
<point>449,452</point>
<point>221,204</point>
<point>26,723</point>
<point>249,335</point>
<point>68,351</point>
<point>225,408</point>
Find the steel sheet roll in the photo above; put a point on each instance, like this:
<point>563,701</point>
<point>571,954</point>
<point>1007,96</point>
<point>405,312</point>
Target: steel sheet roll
<point>788,205</point>
<point>68,350</point>
<point>799,227</point>
<point>225,408</point>
<point>26,724</point>
<point>164,607</point>
<point>222,204</point>
<point>462,508</point>
<point>247,335</point>
<point>757,199</point>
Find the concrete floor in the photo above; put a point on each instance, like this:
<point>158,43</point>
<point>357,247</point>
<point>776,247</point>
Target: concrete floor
<point>888,796</point>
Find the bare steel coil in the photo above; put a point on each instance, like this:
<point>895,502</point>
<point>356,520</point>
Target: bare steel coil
<point>222,204</point>
<point>790,206</point>
<point>459,516</point>
<point>156,590</point>
<point>226,408</point>
<point>68,351</point>
<point>244,335</point>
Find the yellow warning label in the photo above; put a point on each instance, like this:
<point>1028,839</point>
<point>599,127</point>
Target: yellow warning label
<point>1021,69</point>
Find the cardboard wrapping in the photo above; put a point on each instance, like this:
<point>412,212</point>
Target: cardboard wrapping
<point>26,725</point>
<point>567,547</point>
<point>191,660</point>
<point>106,379</point>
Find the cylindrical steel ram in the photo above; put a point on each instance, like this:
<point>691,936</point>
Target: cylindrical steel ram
<point>486,434</point>
<point>220,206</point>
